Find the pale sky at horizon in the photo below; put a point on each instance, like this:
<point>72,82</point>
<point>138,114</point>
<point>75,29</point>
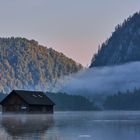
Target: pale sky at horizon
<point>74,27</point>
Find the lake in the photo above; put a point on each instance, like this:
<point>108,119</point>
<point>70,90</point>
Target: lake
<point>102,125</point>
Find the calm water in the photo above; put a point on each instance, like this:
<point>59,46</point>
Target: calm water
<point>71,126</point>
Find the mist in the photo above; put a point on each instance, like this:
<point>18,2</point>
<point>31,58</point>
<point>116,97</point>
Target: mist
<point>102,80</point>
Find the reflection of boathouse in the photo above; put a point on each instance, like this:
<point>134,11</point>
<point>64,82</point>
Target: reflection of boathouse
<point>27,102</point>
<point>30,126</point>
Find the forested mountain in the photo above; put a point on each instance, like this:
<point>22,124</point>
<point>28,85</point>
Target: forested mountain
<point>65,102</point>
<point>26,64</point>
<point>123,45</point>
<point>123,101</point>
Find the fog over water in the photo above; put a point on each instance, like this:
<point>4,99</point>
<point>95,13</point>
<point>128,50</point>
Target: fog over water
<point>98,80</point>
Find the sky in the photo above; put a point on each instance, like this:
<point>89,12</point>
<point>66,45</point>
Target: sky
<point>74,27</point>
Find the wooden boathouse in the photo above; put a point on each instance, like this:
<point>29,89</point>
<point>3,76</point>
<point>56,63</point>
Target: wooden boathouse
<point>21,101</point>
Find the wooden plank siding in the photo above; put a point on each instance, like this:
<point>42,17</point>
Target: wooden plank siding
<point>14,104</point>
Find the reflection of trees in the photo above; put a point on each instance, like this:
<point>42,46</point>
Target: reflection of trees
<point>21,125</point>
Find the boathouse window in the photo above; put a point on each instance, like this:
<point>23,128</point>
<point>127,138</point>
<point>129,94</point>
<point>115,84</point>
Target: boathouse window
<point>24,107</point>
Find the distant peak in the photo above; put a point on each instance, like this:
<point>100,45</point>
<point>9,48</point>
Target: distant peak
<point>122,46</point>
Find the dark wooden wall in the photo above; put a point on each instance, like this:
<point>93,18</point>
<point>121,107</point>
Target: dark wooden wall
<point>13,104</point>
<point>41,108</point>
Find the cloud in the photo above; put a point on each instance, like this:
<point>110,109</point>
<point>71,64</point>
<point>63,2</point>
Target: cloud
<point>102,80</point>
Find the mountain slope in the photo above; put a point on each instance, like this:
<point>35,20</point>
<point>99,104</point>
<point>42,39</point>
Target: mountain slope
<point>26,64</point>
<point>123,45</point>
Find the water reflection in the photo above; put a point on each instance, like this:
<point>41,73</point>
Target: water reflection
<point>71,126</point>
<point>26,126</point>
